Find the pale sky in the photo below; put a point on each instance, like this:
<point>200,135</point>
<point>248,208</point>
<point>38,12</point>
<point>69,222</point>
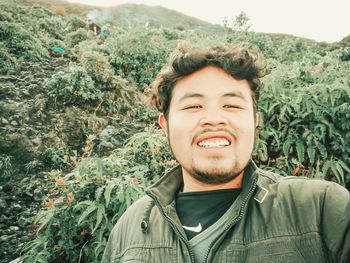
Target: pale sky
<point>321,20</point>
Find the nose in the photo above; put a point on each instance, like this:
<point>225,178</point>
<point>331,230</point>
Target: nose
<point>213,118</point>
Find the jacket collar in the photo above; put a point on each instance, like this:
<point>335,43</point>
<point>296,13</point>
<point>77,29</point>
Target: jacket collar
<point>165,189</point>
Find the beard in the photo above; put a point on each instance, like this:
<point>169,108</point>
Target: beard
<point>215,176</point>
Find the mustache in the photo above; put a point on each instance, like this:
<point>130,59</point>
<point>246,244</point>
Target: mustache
<point>204,131</point>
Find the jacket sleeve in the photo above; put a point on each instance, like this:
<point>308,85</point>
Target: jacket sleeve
<point>124,232</point>
<point>110,247</point>
<point>336,223</point>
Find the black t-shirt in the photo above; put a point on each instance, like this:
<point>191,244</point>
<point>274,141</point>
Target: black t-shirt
<point>199,210</point>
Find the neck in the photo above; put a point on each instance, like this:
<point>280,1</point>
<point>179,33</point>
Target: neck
<point>193,185</point>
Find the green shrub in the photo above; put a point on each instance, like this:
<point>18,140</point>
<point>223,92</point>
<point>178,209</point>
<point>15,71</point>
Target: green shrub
<point>20,42</point>
<point>5,165</point>
<point>37,12</point>
<point>84,205</point>
<point>305,126</point>
<point>75,87</point>
<point>54,158</point>
<point>170,34</point>
<point>262,42</point>
<point>4,16</point>
<point>76,37</point>
<point>345,54</point>
<point>8,63</point>
<point>139,58</point>
<point>54,26</point>
<point>74,23</point>
<point>98,68</point>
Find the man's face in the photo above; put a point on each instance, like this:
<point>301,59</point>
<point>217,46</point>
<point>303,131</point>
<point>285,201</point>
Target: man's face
<point>211,125</point>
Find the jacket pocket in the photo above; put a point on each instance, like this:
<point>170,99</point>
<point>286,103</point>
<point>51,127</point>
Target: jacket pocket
<point>148,254</point>
<point>305,248</point>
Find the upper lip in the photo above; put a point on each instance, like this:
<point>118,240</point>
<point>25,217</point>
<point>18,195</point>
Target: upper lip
<point>208,135</point>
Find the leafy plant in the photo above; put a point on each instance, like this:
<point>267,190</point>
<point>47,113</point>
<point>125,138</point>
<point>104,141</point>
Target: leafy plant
<point>20,42</point>
<point>54,25</point>
<point>8,63</point>
<point>139,58</point>
<point>5,165</point>
<point>84,205</point>
<point>98,68</point>
<point>73,88</point>
<point>74,23</point>
<point>75,37</point>
<point>304,124</point>
<point>55,158</point>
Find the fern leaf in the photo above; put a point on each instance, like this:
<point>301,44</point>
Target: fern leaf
<point>300,151</point>
<point>87,212</point>
<point>107,193</point>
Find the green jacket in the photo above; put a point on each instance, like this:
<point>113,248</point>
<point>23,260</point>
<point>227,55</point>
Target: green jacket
<point>275,219</point>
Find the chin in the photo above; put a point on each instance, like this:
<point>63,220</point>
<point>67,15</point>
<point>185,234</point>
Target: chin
<point>215,175</point>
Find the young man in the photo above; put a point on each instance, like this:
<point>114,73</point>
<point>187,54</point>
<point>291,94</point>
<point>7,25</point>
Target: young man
<point>217,206</point>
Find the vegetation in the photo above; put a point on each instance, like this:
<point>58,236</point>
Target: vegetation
<point>80,143</point>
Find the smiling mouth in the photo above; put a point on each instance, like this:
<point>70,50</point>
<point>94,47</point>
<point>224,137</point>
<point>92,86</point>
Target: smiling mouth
<point>214,143</point>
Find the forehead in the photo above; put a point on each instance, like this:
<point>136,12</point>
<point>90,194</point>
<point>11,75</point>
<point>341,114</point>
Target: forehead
<point>210,82</point>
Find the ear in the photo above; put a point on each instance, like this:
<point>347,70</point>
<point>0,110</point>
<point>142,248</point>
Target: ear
<point>162,122</point>
<point>256,120</point>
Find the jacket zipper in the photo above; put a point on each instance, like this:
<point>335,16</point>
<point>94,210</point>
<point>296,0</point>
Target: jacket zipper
<point>173,226</point>
<point>233,222</point>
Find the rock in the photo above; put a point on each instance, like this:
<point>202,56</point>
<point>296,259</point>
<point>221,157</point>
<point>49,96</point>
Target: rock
<point>14,123</point>
<point>28,194</point>
<point>37,191</point>
<point>26,92</point>
<point>17,206</point>
<point>36,141</point>
<point>22,222</point>
<point>25,179</point>
<point>13,228</point>
<point>4,238</point>
<point>3,203</point>
<point>4,121</point>
<point>3,218</point>
<point>23,239</point>
<point>7,188</point>
<point>13,198</point>
<point>17,260</point>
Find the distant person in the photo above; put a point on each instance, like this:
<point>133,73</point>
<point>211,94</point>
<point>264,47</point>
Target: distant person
<point>56,51</point>
<point>96,29</point>
<point>106,30</point>
<point>217,205</point>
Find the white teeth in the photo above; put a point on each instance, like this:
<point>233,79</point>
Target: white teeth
<point>214,143</point>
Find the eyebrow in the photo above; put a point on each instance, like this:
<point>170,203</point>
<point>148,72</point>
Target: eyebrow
<point>198,95</point>
<point>235,94</point>
<point>191,95</point>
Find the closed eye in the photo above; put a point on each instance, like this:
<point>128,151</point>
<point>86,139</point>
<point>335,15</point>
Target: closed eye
<point>192,107</point>
<point>232,106</point>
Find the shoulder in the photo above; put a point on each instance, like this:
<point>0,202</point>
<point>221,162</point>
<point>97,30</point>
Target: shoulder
<point>128,234</point>
<point>135,213</point>
<point>129,224</point>
<point>303,188</point>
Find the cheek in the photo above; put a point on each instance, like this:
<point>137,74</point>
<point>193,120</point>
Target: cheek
<point>245,131</point>
<point>180,131</point>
